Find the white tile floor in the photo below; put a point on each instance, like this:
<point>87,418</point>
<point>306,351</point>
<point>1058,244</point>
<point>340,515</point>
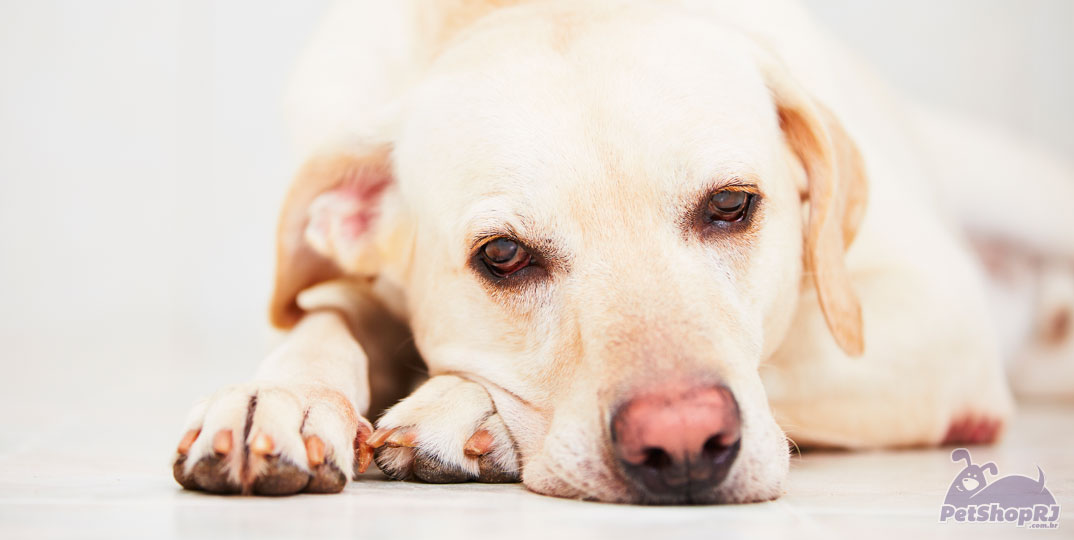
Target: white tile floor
<point>86,443</point>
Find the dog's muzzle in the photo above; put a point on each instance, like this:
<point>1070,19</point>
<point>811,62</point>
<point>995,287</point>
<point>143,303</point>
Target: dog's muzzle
<point>677,444</point>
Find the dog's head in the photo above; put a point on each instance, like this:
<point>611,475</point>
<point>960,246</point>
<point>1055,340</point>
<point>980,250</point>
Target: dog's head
<point>606,219</point>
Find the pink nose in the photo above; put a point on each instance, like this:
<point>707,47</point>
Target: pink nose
<point>678,442</point>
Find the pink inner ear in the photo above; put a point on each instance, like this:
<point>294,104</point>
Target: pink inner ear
<point>354,225</point>
<point>341,217</point>
<point>364,195</point>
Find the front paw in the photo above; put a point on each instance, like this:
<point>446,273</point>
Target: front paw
<point>268,439</point>
<point>447,431</point>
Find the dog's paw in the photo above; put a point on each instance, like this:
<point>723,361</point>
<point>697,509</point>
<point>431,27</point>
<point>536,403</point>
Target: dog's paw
<point>973,429</point>
<point>268,439</point>
<point>446,431</point>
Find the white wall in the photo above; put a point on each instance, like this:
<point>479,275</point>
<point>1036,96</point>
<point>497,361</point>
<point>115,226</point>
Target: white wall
<point>143,160</point>
<point>143,155</point>
<point>1009,61</point>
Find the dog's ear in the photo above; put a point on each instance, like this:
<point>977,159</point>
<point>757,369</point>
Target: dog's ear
<point>328,225</point>
<point>837,195</point>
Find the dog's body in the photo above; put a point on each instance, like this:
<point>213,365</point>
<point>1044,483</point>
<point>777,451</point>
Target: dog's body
<point>634,344</point>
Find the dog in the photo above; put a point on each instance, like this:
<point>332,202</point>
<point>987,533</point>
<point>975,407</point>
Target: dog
<point>640,247</point>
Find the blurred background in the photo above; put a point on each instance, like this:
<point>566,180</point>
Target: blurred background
<point>143,157</point>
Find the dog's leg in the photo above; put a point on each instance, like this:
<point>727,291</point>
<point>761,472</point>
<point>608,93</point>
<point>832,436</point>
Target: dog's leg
<point>1028,251</point>
<point>296,427</point>
<point>931,372</point>
<point>447,431</point>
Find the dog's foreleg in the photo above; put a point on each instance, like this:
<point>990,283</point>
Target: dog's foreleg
<point>296,427</point>
<point>1014,201</point>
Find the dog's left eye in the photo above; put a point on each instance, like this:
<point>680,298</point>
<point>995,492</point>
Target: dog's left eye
<point>504,257</point>
<point>728,205</point>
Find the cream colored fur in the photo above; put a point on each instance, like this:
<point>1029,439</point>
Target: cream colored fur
<point>595,126</point>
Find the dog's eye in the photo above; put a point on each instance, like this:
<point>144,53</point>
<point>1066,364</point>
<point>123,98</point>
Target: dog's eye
<point>728,205</point>
<point>504,256</point>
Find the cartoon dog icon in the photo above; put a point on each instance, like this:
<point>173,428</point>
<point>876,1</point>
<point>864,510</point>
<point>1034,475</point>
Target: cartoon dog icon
<point>971,487</point>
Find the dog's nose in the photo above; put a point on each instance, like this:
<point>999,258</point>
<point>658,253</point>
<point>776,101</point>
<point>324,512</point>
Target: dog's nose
<point>678,441</point>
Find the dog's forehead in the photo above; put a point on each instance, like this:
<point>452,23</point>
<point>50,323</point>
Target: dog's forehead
<point>626,106</point>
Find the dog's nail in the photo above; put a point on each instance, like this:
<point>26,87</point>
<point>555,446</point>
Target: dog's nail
<point>315,450</point>
<point>222,442</point>
<point>365,429</point>
<point>262,444</point>
<point>188,441</point>
<point>365,456</point>
<point>478,444</point>
<point>377,439</point>
<point>406,439</point>
<point>363,452</point>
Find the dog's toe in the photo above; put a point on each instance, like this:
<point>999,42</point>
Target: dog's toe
<point>432,470</point>
<point>210,473</point>
<point>280,477</point>
<point>271,440</point>
<point>179,466</point>
<point>445,432</point>
<point>494,467</point>
<point>326,479</point>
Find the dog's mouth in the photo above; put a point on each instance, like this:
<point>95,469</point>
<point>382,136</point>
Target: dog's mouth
<point>969,484</point>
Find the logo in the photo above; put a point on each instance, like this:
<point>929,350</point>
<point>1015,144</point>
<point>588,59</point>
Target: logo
<point>1014,499</point>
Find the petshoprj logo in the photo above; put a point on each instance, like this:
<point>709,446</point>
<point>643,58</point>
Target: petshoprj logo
<point>1015,499</point>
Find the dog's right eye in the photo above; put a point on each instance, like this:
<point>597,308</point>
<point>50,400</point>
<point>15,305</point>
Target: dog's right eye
<point>728,205</point>
<point>504,256</point>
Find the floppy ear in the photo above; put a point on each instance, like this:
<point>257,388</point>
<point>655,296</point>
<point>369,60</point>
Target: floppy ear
<point>837,195</point>
<point>327,225</point>
<point>990,467</point>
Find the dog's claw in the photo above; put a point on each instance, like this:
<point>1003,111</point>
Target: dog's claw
<point>222,442</point>
<point>364,453</point>
<point>315,450</point>
<point>377,439</point>
<point>393,437</point>
<point>404,439</point>
<point>479,443</point>
<point>187,441</point>
<point>262,444</point>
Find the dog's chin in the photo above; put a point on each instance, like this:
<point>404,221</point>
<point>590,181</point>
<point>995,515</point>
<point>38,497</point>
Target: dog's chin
<point>571,470</point>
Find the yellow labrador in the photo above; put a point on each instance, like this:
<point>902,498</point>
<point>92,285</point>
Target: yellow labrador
<point>638,245</point>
